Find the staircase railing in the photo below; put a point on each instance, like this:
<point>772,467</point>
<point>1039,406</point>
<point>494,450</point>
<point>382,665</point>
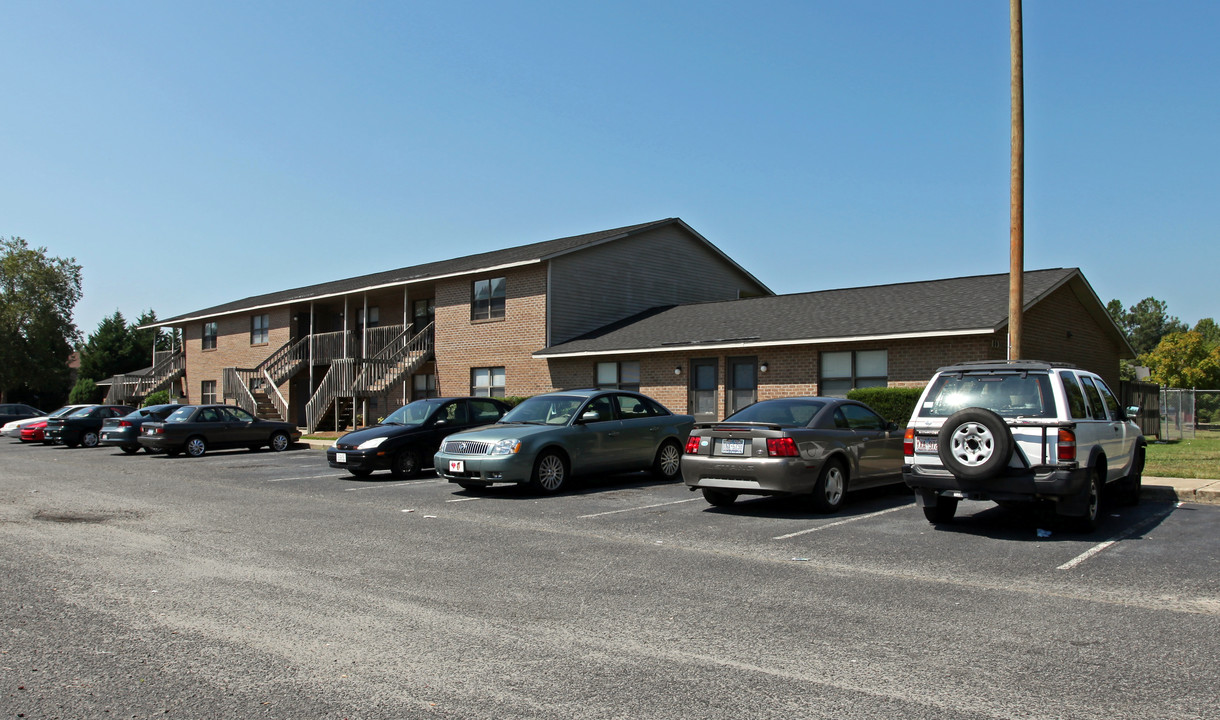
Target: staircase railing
<point>283,363</point>
<point>127,387</point>
<point>401,356</point>
<point>337,381</point>
<point>235,384</point>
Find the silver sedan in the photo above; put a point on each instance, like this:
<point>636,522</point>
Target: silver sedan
<point>815,446</point>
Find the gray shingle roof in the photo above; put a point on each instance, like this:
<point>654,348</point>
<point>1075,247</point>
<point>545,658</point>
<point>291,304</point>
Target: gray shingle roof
<point>958,305</point>
<point>533,252</point>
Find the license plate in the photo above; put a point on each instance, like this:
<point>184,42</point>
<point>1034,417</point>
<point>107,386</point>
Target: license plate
<point>925,445</point>
<point>733,447</point>
<point>457,466</point>
<point>340,458</point>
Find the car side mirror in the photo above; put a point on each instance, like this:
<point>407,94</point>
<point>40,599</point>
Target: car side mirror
<point>1133,411</point>
<point>891,426</point>
<point>591,416</point>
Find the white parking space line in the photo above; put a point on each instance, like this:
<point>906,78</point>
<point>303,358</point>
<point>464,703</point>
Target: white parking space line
<point>1103,546</point>
<point>462,500</point>
<point>840,522</point>
<point>305,477</point>
<point>633,509</point>
<point>390,485</point>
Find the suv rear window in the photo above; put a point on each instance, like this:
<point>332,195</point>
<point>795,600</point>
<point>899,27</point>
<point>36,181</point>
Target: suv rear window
<point>1006,394</point>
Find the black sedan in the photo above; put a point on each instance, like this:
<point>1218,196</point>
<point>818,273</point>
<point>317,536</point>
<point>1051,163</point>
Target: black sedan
<point>124,432</point>
<point>405,441</point>
<point>82,427</point>
<point>197,428</point>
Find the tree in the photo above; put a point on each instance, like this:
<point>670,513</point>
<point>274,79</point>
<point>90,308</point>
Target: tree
<point>84,392</point>
<point>37,296</point>
<point>1209,330</point>
<point>114,348</point>
<point>1145,322</point>
<point>1184,360</point>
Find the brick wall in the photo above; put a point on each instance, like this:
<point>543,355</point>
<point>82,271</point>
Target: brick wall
<point>233,349</point>
<point>1060,329</point>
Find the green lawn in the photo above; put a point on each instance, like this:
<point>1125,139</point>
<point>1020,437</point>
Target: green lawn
<point>1195,458</point>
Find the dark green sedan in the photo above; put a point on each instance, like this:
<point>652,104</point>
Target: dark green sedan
<point>195,429</point>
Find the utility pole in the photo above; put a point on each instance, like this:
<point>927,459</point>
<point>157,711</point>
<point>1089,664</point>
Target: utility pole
<point>1016,191</point>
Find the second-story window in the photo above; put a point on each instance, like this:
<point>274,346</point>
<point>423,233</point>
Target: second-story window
<point>260,329</point>
<point>487,299</point>
<point>209,336</point>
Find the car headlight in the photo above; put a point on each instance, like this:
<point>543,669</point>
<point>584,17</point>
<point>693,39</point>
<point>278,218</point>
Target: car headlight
<point>370,444</point>
<point>508,446</point>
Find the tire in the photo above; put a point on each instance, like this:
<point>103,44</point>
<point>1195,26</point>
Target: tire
<point>942,512</point>
<point>1128,489</point>
<point>668,463</point>
<point>130,449</point>
<point>89,439</point>
<point>280,442</point>
<point>1087,523</point>
<point>831,487</point>
<point>196,446</point>
<point>975,444</point>
<point>405,463</point>
<point>719,498</point>
<point>361,473</point>
<point>550,472</point>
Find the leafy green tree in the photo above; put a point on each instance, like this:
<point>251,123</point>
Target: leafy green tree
<point>1209,330</point>
<point>114,348</point>
<point>85,392</point>
<point>1145,322</point>
<point>1184,360</point>
<point>37,296</point>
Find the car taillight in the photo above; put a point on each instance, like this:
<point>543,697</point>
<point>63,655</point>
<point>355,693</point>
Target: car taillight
<point>124,423</point>
<point>908,442</point>
<point>782,447</point>
<point>692,445</point>
<point>1067,444</point>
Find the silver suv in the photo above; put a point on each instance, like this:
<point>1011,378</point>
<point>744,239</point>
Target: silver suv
<point>1020,432</point>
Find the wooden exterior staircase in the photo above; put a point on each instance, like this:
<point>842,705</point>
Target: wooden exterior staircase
<point>131,389</point>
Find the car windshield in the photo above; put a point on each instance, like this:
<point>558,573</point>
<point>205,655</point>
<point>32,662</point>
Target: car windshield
<point>790,412</point>
<point>83,412</point>
<point>1006,394</point>
<point>182,414</point>
<point>412,413</point>
<point>544,410</point>
<point>62,411</point>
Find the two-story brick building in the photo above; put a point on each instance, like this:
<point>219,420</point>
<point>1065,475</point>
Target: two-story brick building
<point>654,307</point>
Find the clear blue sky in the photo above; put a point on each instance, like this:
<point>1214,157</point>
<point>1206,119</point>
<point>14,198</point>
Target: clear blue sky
<point>188,154</point>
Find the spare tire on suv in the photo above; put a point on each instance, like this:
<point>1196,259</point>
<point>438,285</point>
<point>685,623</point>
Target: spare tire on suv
<point>975,443</point>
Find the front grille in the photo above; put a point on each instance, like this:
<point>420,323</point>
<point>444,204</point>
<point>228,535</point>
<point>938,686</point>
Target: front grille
<point>465,447</point>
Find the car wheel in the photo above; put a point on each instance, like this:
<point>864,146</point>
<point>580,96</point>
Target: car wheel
<point>719,498</point>
<point>831,487</point>
<point>405,463</point>
<point>550,472</point>
<point>668,461</point>
<point>362,472</point>
<point>975,444</point>
<point>89,439</point>
<point>130,449</point>
<point>942,512</point>
<point>196,446</point>
<point>1087,523</point>
<point>280,442</point>
<point>1130,487</point>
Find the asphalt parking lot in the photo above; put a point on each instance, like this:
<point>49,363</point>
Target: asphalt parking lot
<point>269,585</point>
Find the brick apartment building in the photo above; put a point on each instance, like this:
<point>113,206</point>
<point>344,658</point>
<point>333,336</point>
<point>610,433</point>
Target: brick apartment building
<point>653,307</point>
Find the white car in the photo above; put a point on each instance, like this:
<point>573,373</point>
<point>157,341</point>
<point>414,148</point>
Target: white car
<point>1021,432</point>
<point>13,429</point>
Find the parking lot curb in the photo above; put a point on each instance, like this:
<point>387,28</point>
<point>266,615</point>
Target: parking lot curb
<point>1195,490</point>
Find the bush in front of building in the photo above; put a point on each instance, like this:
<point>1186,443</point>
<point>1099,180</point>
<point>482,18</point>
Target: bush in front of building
<point>515,400</point>
<point>892,403</point>
<point>161,397</point>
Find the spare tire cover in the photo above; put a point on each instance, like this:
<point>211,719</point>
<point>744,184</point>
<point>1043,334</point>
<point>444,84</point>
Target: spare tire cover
<point>975,444</point>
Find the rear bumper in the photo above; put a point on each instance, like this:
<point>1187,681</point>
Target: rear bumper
<point>750,476</point>
<point>1055,482</point>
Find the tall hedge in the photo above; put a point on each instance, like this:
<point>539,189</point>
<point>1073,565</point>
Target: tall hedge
<point>892,403</point>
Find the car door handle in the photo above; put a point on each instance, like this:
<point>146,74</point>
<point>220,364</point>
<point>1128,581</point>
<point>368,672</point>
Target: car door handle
<point>612,433</point>
<point>654,428</point>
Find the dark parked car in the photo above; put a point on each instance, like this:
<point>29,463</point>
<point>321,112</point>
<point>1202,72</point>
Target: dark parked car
<point>124,432</point>
<point>815,446</point>
<point>84,426</point>
<point>405,442</point>
<point>10,412</point>
<point>33,429</point>
<point>197,428</point>
<point>572,432</point>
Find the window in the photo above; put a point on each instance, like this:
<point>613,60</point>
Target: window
<point>1096,405</point>
<point>374,317</point>
<point>602,406</point>
<point>423,387</point>
<point>209,336</point>
<point>487,299</point>
<point>848,370</point>
<point>619,375</point>
<point>630,406</point>
<point>487,382</point>
<point>260,329</point>
<point>854,417</point>
<point>743,383</point>
<point>484,411</point>
<point>207,392</point>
